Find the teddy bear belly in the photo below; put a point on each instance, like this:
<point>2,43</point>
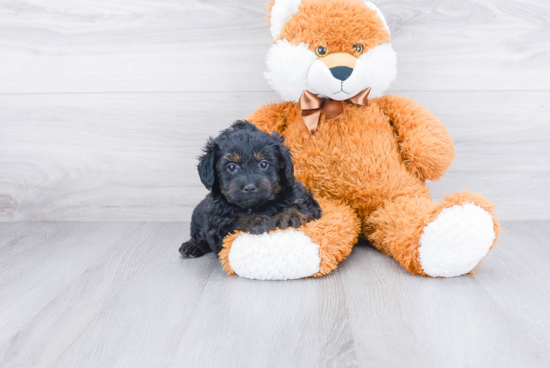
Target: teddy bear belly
<point>363,187</point>
<point>362,171</point>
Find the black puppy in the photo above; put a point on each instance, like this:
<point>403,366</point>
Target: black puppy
<point>252,188</point>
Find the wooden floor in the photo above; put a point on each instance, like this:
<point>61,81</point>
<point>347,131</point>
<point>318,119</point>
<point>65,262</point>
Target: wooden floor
<point>119,295</point>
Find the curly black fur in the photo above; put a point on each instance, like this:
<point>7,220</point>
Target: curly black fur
<point>250,176</point>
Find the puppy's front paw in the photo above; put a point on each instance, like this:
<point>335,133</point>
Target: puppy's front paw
<point>193,249</point>
<point>260,229</point>
<point>290,219</point>
<point>315,213</point>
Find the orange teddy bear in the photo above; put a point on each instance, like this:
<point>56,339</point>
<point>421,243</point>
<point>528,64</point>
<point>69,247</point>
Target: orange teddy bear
<point>364,155</point>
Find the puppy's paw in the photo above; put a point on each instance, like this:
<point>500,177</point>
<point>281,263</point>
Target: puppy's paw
<point>289,219</point>
<point>193,249</point>
<point>296,220</point>
<point>260,229</point>
<point>315,212</point>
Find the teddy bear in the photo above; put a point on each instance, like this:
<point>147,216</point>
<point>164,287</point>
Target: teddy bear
<point>364,155</point>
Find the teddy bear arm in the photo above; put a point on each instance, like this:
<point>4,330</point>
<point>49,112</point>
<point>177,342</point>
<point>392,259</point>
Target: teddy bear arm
<point>270,117</point>
<point>425,143</point>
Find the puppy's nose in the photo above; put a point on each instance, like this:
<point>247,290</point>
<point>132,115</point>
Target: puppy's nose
<point>341,72</point>
<point>250,187</point>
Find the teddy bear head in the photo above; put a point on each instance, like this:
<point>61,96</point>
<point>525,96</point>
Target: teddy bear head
<point>332,48</point>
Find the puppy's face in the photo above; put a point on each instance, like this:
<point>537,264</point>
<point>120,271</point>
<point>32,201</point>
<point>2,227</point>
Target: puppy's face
<point>251,167</point>
<point>248,174</point>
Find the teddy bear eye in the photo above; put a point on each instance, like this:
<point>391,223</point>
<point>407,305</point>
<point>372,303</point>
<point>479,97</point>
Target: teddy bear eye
<point>358,48</point>
<point>231,167</point>
<point>321,51</point>
<point>264,164</point>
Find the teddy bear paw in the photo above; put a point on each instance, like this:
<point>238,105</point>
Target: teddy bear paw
<point>280,255</point>
<point>456,241</point>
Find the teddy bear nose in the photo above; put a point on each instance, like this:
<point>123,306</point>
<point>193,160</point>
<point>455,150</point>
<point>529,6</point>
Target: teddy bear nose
<point>341,72</point>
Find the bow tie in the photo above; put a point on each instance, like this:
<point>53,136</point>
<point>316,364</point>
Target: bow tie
<point>312,106</point>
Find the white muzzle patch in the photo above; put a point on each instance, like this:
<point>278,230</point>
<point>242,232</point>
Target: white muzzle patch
<point>291,69</point>
<point>323,83</point>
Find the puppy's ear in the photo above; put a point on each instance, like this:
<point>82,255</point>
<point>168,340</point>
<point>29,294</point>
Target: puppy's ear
<point>286,167</point>
<point>207,162</point>
<point>277,137</point>
<point>243,124</point>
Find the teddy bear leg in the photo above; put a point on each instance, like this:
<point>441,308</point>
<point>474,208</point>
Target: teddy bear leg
<point>314,249</point>
<point>435,239</point>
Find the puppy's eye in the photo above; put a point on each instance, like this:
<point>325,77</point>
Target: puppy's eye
<point>321,51</point>
<point>358,48</point>
<point>231,167</point>
<point>264,165</point>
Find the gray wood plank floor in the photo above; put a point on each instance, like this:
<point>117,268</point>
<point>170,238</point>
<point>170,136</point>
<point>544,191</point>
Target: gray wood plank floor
<point>119,295</point>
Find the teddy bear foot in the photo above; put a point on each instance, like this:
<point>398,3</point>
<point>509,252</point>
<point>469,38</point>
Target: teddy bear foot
<point>280,255</point>
<point>314,249</point>
<point>456,241</point>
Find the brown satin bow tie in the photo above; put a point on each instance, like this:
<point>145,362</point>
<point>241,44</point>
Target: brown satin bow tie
<point>312,106</point>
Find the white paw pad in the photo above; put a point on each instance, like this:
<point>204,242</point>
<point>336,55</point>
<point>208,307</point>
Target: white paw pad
<point>281,255</point>
<point>455,242</point>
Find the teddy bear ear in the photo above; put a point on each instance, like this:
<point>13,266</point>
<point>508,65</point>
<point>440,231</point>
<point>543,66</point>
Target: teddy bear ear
<point>281,12</point>
<point>378,14</point>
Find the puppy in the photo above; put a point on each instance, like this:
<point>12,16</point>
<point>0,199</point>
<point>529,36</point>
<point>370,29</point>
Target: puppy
<point>250,176</point>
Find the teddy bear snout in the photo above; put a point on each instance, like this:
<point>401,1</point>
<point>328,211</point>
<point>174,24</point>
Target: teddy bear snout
<point>340,64</point>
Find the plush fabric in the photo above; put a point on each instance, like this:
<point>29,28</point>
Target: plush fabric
<point>368,167</point>
<point>291,61</point>
<point>278,255</point>
<point>280,14</point>
<point>287,68</point>
<point>398,228</point>
<point>335,233</point>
